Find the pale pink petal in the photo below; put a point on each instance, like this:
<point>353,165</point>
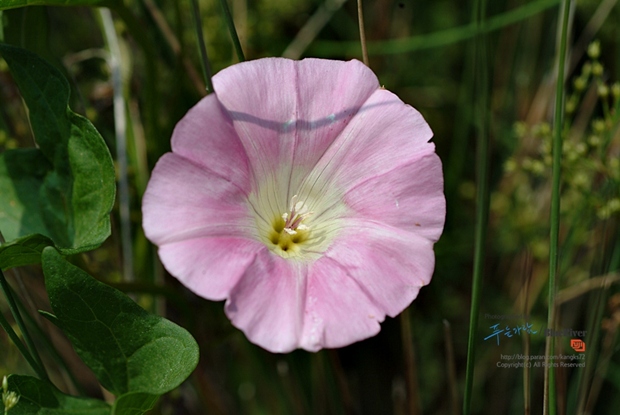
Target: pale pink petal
<point>205,135</point>
<point>287,113</point>
<point>338,312</point>
<point>326,106</point>
<point>268,301</point>
<point>184,200</point>
<point>384,134</point>
<point>391,264</point>
<point>261,99</point>
<point>210,267</point>
<point>408,197</point>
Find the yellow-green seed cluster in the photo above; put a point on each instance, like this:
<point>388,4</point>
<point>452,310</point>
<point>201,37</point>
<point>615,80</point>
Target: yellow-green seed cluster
<point>590,172</point>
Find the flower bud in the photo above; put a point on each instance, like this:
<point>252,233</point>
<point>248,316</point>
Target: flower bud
<point>581,149</point>
<point>510,165</point>
<point>580,83</point>
<point>571,104</point>
<point>597,69</point>
<point>594,49</point>
<point>537,167</point>
<point>598,126</point>
<point>594,140</point>
<point>586,70</point>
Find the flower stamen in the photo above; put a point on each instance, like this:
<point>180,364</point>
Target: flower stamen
<point>289,230</point>
<point>293,220</point>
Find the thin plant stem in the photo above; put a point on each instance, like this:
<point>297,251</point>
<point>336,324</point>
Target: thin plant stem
<point>120,130</point>
<point>482,196</point>
<point>577,290</point>
<point>204,59</point>
<point>527,276</point>
<point>603,365</point>
<point>33,355</point>
<point>341,380</point>
<point>413,396</point>
<point>451,368</point>
<point>588,374</point>
<point>22,348</point>
<point>596,22</point>
<point>360,18</point>
<point>233,32</point>
<point>174,44</point>
<point>441,38</point>
<point>312,28</point>
<point>550,396</point>
<point>42,337</point>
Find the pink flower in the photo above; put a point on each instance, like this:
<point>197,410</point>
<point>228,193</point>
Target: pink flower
<point>303,194</point>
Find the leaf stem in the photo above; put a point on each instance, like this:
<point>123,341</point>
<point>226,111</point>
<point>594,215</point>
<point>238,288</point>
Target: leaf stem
<point>550,397</point>
<point>482,193</point>
<point>35,363</point>
<point>204,59</point>
<point>233,32</point>
<point>360,18</point>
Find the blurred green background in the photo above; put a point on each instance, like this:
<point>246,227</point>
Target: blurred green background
<point>424,52</point>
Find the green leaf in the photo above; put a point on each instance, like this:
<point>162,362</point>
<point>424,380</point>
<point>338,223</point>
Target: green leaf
<point>128,349</point>
<point>134,403</point>
<point>37,397</point>
<point>23,251</point>
<point>12,4</point>
<point>63,190</point>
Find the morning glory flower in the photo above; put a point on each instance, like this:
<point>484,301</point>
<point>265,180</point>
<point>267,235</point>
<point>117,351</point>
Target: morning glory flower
<point>306,196</point>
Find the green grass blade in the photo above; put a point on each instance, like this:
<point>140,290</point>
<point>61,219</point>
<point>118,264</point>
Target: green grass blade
<point>233,32</point>
<point>482,194</point>
<point>34,362</point>
<point>550,396</point>
<point>436,39</point>
<point>204,59</point>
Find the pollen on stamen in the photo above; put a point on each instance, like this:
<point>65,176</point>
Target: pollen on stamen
<point>288,233</point>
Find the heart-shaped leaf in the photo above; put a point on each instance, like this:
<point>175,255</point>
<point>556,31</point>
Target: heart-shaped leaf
<point>128,349</point>
<point>63,190</point>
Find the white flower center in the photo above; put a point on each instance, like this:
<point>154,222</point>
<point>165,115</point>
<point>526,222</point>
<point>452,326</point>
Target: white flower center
<point>300,227</point>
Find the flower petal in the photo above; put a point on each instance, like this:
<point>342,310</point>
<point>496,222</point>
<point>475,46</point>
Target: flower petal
<point>268,301</point>
<point>391,264</point>
<point>384,134</point>
<point>288,113</point>
<point>409,197</point>
<point>210,267</point>
<point>205,135</point>
<point>338,312</point>
<point>184,200</point>
<point>326,107</point>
